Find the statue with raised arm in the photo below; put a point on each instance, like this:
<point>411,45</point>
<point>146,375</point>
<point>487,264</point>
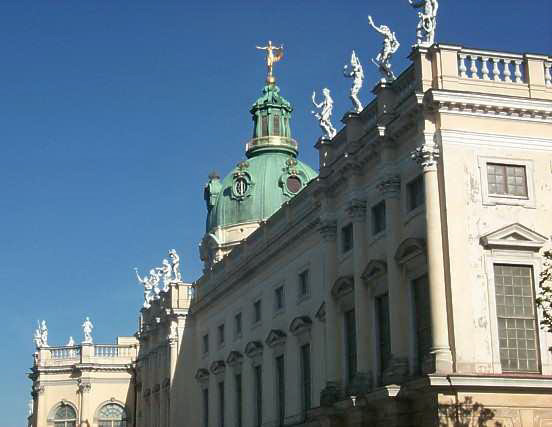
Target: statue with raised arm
<point>87,327</point>
<point>273,54</point>
<point>357,74</point>
<point>166,274</point>
<point>148,288</point>
<point>44,334</point>
<point>390,46</point>
<point>175,261</point>
<point>428,21</point>
<point>37,337</point>
<point>325,113</point>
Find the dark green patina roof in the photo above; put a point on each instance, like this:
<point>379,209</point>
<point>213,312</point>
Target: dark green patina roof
<point>257,187</point>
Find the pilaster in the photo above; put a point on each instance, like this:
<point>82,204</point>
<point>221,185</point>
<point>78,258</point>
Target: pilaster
<point>84,389</point>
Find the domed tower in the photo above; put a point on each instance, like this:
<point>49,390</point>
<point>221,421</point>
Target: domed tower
<point>257,187</point>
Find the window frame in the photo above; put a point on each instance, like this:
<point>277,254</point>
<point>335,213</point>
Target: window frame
<point>345,232</point>
<point>205,343</point>
<point>238,332</point>
<point>409,208</point>
<point>221,335</point>
<point>489,199</point>
<point>256,320</point>
<point>279,308</point>
<point>373,231</point>
<point>303,295</point>
<point>125,419</point>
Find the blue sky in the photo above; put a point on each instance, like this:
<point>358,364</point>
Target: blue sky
<point>113,113</point>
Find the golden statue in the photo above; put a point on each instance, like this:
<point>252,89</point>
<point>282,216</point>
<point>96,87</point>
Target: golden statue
<point>271,58</point>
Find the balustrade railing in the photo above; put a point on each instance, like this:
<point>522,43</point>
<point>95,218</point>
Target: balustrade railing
<point>547,73</point>
<point>65,352</point>
<point>488,66</point>
<point>106,350</point>
<point>100,350</point>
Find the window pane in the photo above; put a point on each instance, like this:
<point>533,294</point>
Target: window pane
<point>378,218</point>
<point>281,392</point>
<point>276,125</point>
<point>507,179</point>
<point>350,334</point>
<point>423,318</point>
<point>415,193</point>
<point>306,376</point>
<point>382,307</point>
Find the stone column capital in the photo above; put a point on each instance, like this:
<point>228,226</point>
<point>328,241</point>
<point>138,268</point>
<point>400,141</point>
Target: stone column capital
<point>328,230</point>
<point>427,154</point>
<point>390,186</point>
<point>84,386</point>
<point>356,209</point>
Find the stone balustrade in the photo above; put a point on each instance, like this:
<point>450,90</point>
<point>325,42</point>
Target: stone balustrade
<point>65,355</point>
<point>68,352</point>
<point>491,66</point>
<point>547,75</point>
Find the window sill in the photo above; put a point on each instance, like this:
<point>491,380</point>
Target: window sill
<point>302,298</point>
<point>410,215</point>
<point>508,200</point>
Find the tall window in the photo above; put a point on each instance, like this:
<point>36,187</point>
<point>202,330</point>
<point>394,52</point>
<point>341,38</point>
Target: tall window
<point>382,312</point>
<point>515,309</point>
<point>276,125</point>
<point>347,238</point>
<point>281,389</point>
<point>258,387</point>
<point>238,324</point>
<point>378,217</point>
<point>112,415</point>
<point>257,311</point>
<point>303,290</point>
<point>306,376</point>
<point>221,403</point>
<point>264,126</point>
<point>415,193</point>
<point>423,318</point>
<point>65,416</point>
<point>507,180</point>
<point>205,407</point>
<point>206,343</point>
<point>350,343</point>
<point>221,335</point>
<point>239,399</point>
<point>279,298</point>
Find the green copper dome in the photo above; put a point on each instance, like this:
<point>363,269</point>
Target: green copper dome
<point>271,175</point>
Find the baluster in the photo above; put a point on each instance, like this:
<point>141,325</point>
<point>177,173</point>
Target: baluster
<point>547,76</point>
<point>462,68</point>
<point>507,72</point>
<point>496,71</point>
<point>517,71</point>
<point>484,68</point>
<point>473,67</point>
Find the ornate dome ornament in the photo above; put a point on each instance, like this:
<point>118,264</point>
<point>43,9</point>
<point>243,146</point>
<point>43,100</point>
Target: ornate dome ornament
<point>242,184</point>
<point>293,179</point>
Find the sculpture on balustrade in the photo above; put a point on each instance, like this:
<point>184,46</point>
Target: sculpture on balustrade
<point>87,327</point>
<point>390,46</point>
<point>357,74</point>
<point>427,23</point>
<point>71,342</point>
<point>175,261</point>
<point>150,286</point>
<point>41,335</point>
<point>325,113</point>
<point>166,273</point>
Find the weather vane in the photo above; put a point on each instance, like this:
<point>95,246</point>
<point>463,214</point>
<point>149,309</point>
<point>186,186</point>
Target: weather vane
<point>273,54</point>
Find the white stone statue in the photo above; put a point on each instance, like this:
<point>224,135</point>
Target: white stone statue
<point>175,261</point>
<point>41,335</point>
<point>428,21</point>
<point>166,274</point>
<point>357,74</point>
<point>325,114</point>
<point>71,342</point>
<point>148,288</point>
<point>390,46</point>
<point>30,406</point>
<point>87,327</point>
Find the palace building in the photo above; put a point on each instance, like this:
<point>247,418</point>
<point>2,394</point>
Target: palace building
<point>396,287</point>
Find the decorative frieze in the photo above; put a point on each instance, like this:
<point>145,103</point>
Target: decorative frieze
<point>390,186</point>
<point>356,209</point>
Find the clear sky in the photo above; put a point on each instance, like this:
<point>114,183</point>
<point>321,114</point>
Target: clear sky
<point>113,113</point>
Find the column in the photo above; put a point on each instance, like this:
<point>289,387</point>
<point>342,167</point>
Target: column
<point>40,413</point>
<point>331,392</point>
<point>390,188</point>
<point>84,391</point>
<point>363,316</point>
<point>440,357</point>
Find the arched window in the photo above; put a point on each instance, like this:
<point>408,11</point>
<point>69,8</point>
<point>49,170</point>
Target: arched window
<point>65,416</point>
<point>112,415</point>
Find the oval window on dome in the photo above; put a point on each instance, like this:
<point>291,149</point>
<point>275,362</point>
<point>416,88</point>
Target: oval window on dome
<point>240,186</point>
<point>293,184</point>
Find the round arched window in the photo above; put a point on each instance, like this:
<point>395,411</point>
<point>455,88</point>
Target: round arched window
<point>240,186</point>
<point>65,416</point>
<point>112,415</point>
<point>293,184</point>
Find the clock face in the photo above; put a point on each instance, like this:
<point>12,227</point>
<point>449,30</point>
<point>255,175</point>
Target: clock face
<point>293,184</point>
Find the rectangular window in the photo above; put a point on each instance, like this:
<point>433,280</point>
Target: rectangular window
<point>205,407</point>
<point>350,343</point>
<point>239,398</point>
<point>347,238</point>
<point>281,388</point>
<point>257,311</point>
<point>258,388</point>
<point>206,343</point>
<point>415,193</point>
<point>384,333</point>
<point>221,334</point>
<point>238,324</point>
<point>515,309</point>
<point>306,377</point>
<point>264,126</point>
<point>303,290</point>
<point>423,318</point>
<point>221,403</point>
<point>378,217</point>
<point>279,298</point>
<point>276,125</point>
<point>507,180</point>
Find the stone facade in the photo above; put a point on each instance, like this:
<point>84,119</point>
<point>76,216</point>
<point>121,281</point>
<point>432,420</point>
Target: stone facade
<point>396,288</point>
